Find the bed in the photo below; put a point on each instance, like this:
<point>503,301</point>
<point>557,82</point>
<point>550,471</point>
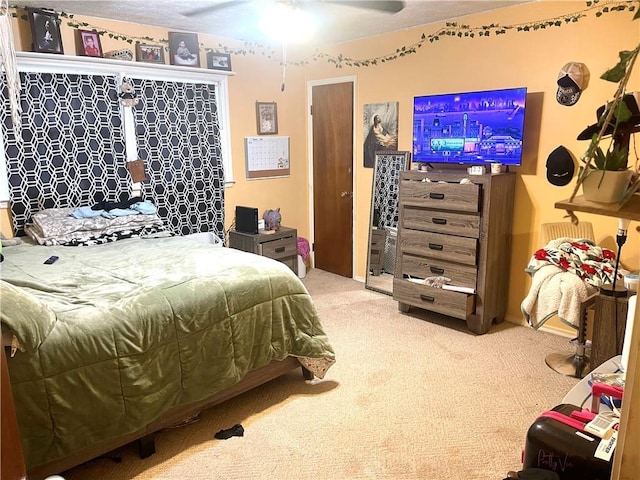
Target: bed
<point>118,340</point>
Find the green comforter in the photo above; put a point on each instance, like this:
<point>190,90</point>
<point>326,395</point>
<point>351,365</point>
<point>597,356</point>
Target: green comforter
<point>114,335</point>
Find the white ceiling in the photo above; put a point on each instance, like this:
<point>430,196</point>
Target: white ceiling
<point>238,19</point>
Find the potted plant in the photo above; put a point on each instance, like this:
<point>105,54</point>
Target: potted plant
<point>608,177</point>
<point>616,123</point>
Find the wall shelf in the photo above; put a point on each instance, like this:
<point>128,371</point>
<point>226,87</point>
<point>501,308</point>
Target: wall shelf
<point>630,210</point>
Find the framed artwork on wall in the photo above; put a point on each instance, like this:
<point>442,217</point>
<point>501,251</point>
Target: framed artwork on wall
<point>267,118</point>
<point>381,130</point>
<point>184,49</point>
<point>88,44</point>
<point>149,53</point>
<point>45,31</point>
<point>219,61</point>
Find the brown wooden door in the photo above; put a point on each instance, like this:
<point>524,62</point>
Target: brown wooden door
<point>332,117</point>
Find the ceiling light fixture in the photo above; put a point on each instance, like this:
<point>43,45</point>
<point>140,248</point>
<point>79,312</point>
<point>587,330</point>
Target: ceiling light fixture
<point>286,22</point>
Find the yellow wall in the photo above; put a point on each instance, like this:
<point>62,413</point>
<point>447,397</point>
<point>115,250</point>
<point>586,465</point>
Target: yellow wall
<point>532,59</point>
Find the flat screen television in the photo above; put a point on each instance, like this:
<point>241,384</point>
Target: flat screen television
<point>471,128</point>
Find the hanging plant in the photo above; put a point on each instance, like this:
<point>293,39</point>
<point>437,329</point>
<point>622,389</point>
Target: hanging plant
<point>618,114</point>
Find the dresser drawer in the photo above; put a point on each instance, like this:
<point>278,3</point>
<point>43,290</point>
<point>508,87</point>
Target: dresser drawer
<point>449,196</point>
<point>440,221</point>
<point>423,267</point>
<point>279,249</point>
<point>454,304</point>
<point>439,246</point>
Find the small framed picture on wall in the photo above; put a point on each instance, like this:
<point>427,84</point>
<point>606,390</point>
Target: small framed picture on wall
<point>45,31</point>
<point>219,61</point>
<point>267,118</point>
<point>89,43</point>
<point>149,53</point>
<point>184,49</point>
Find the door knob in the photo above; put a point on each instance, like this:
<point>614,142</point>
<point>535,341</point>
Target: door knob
<point>346,194</point>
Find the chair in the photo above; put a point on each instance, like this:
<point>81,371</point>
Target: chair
<point>576,364</point>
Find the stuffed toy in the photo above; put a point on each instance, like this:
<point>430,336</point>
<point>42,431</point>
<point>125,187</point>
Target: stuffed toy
<point>272,219</point>
<point>127,96</point>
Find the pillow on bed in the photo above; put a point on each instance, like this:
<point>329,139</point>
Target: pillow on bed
<point>25,316</point>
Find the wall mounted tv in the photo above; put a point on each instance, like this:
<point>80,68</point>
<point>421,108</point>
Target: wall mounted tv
<point>471,128</point>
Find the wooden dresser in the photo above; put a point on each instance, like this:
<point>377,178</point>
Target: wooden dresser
<point>281,245</point>
<point>458,231</point>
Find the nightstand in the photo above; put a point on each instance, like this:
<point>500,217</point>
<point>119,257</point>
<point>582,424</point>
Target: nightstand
<point>281,245</point>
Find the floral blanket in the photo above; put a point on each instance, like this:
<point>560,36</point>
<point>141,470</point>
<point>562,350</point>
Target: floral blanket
<point>593,264</point>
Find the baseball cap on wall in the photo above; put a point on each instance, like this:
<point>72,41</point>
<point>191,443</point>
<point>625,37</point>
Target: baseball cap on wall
<point>632,102</point>
<point>573,79</point>
<point>560,167</point>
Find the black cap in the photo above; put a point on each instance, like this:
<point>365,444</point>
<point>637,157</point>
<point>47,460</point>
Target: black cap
<point>560,167</point>
<point>631,100</point>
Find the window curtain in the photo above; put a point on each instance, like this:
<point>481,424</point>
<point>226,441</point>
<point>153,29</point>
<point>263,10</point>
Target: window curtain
<point>71,151</point>
<point>178,135</point>
<point>72,148</point>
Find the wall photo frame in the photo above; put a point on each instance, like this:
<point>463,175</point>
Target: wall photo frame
<point>45,31</point>
<point>149,53</point>
<point>184,49</point>
<point>267,118</point>
<point>219,61</point>
<point>381,130</point>
<point>88,43</point>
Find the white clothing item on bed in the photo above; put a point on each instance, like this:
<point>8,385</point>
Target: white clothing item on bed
<point>555,292</point>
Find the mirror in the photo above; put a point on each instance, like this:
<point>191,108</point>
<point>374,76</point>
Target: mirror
<point>383,223</point>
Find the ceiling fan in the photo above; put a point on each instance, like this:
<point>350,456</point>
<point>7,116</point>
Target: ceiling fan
<point>388,6</point>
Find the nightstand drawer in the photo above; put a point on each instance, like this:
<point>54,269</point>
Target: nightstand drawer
<point>280,245</point>
<point>436,245</point>
<point>441,221</point>
<point>454,304</point>
<point>278,249</point>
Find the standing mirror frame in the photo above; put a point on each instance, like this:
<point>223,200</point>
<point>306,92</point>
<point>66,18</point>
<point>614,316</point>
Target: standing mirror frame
<point>383,219</point>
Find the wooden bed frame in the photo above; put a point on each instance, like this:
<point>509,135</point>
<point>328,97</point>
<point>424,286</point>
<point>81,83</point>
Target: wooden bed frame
<point>145,435</point>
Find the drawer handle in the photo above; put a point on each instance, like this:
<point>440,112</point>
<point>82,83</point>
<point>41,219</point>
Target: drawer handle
<point>436,196</point>
<point>437,270</point>
<point>439,221</point>
<point>427,298</point>
<point>435,246</point>
<point>280,249</point>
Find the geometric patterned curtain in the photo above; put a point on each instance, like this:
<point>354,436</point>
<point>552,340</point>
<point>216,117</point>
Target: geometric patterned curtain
<point>178,135</point>
<point>71,151</point>
<point>386,188</point>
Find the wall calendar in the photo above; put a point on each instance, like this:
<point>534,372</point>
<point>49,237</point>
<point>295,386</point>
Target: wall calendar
<point>267,157</point>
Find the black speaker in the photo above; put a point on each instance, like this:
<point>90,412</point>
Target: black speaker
<point>247,220</point>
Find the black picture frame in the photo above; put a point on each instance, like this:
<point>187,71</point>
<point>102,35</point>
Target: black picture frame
<point>88,43</point>
<point>187,54</point>
<point>149,53</point>
<point>267,118</point>
<point>45,31</point>
<point>219,61</point>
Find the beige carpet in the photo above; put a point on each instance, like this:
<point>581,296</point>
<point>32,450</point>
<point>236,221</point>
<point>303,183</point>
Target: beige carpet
<point>410,397</point>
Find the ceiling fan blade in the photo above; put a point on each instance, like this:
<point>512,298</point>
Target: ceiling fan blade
<point>214,7</point>
<point>390,6</point>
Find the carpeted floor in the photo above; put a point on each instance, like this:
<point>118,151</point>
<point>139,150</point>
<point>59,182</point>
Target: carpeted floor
<point>410,397</point>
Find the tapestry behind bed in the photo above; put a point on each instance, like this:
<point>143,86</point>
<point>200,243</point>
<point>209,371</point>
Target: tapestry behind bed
<point>72,150</point>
